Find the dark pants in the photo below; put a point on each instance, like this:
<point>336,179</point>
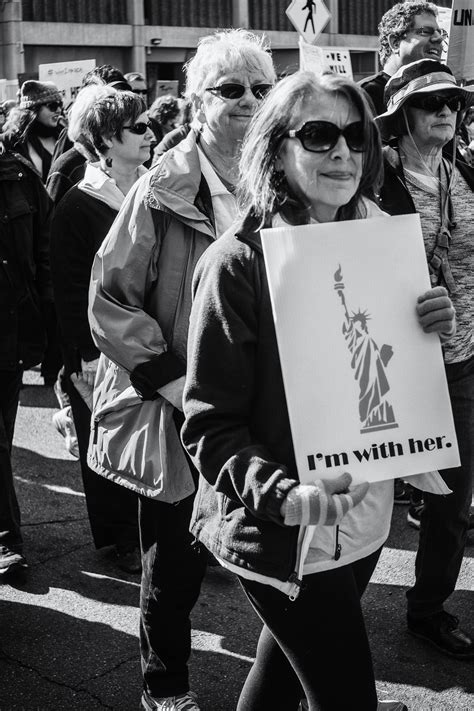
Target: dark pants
<point>316,646</point>
<point>10,521</point>
<point>173,566</point>
<point>444,521</point>
<point>112,509</point>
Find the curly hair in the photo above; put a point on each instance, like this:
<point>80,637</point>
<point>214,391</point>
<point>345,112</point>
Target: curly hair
<point>262,189</point>
<point>397,21</point>
<point>164,108</point>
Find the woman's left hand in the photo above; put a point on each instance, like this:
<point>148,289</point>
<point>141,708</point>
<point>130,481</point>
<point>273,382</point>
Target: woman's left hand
<point>436,312</point>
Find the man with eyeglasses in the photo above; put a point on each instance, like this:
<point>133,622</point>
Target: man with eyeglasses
<point>138,84</point>
<point>407,32</point>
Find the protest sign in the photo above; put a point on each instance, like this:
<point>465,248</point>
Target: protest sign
<point>325,59</point>
<point>67,76</point>
<point>166,86</point>
<point>365,386</point>
<point>461,41</point>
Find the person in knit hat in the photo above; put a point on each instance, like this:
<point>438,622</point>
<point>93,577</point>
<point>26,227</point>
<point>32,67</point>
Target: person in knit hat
<point>33,127</point>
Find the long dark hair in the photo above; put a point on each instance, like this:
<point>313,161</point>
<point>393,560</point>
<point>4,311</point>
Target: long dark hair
<point>262,189</point>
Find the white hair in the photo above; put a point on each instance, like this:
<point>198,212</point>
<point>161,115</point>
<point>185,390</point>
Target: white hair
<point>224,51</point>
<point>85,99</point>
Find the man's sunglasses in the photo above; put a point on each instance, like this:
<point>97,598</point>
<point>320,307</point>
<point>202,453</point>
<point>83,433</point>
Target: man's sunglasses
<point>139,128</point>
<point>435,102</point>
<point>322,136</point>
<point>236,91</point>
<point>140,92</point>
<point>54,105</point>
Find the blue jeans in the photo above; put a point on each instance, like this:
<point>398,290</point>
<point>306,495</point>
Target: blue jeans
<point>445,519</point>
<point>173,565</point>
<point>10,521</point>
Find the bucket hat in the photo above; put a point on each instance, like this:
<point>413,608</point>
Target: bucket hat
<point>425,76</point>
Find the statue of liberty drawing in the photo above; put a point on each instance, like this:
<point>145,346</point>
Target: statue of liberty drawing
<point>369,364</point>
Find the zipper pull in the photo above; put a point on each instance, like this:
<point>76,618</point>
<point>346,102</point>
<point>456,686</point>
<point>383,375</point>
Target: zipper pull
<point>296,585</point>
<point>337,552</point>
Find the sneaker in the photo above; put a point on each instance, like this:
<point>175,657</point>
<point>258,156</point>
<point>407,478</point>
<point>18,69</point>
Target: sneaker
<point>183,702</point>
<point>442,631</point>
<point>414,515</point>
<point>128,558</point>
<point>391,706</point>
<point>64,424</point>
<point>11,562</point>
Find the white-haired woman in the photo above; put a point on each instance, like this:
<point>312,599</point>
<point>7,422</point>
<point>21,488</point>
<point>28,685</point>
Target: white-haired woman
<point>312,154</point>
<point>423,174</point>
<point>116,129</point>
<point>140,305</point>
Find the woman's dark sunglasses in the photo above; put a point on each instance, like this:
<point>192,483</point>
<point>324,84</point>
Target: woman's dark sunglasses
<point>236,91</point>
<point>322,136</point>
<point>54,105</point>
<point>434,102</point>
<point>139,128</point>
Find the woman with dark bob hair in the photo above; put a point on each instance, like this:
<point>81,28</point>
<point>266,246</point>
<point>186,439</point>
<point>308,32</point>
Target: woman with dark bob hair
<point>312,154</point>
<point>114,126</point>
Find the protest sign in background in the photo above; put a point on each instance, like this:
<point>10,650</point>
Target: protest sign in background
<point>67,76</point>
<point>461,40</point>
<point>366,388</point>
<point>325,59</point>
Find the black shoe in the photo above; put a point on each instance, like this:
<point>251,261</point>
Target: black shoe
<point>442,631</point>
<point>128,558</point>
<point>401,492</point>
<point>414,515</point>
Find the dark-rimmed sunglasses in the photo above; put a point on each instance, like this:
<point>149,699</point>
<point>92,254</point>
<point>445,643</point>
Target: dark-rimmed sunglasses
<point>322,136</point>
<point>140,92</point>
<point>435,102</point>
<point>236,91</point>
<point>54,105</point>
<point>139,128</point>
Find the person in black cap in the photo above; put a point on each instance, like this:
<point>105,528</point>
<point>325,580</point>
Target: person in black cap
<point>424,107</point>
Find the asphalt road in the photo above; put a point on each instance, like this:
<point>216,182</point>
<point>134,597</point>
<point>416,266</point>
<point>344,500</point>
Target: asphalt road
<point>68,633</point>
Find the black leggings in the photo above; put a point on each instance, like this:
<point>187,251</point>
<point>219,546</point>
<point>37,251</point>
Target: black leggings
<point>315,647</point>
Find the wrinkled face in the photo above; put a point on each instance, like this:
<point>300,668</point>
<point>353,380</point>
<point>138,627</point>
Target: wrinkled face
<point>227,119</point>
<point>431,129</point>
<point>49,114</point>
<point>328,180</point>
<point>415,46</point>
<point>134,148</point>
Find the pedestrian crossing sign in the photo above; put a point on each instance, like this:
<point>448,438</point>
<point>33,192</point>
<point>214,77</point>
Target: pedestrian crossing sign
<point>309,18</point>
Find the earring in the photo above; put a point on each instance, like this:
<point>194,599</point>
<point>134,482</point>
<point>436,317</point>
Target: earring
<point>108,162</point>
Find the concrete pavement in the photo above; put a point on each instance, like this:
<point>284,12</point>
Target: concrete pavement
<point>68,633</point>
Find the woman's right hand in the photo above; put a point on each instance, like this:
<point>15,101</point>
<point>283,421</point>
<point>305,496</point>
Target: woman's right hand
<point>322,503</point>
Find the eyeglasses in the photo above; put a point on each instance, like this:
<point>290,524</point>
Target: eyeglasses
<point>139,128</point>
<point>434,102</point>
<point>322,136</point>
<point>236,91</point>
<point>54,105</point>
<point>141,92</point>
<point>427,31</point>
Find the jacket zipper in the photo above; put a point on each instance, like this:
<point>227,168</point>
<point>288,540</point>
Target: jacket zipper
<point>338,548</point>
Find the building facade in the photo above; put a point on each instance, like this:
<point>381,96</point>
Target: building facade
<point>156,37</point>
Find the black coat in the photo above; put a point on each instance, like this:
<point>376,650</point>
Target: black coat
<point>25,281</point>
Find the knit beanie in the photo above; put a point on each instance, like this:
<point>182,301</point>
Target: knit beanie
<point>36,93</point>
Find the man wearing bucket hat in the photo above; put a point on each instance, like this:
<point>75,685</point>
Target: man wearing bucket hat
<point>407,32</point>
<point>424,107</point>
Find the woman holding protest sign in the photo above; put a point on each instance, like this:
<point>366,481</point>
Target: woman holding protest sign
<point>312,154</point>
<point>424,174</point>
